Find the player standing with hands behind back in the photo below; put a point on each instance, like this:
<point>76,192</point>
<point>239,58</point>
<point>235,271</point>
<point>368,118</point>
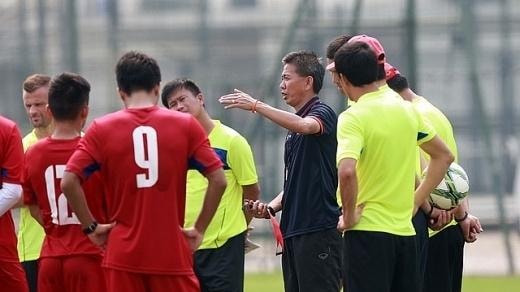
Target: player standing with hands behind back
<point>143,153</point>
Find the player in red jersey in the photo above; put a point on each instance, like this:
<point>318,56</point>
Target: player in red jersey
<point>143,153</point>
<point>12,276</point>
<point>69,261</point>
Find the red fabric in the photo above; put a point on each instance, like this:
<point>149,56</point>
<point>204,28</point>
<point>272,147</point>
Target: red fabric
<point>147,237</point>
<point>72,274</point>
<point>11,160</point>
<point>373,43</point>
<point>12,277</point>
<point>277,232</point>
<point>133,282</point>
<point>41,184</point>
<point>390,71</point>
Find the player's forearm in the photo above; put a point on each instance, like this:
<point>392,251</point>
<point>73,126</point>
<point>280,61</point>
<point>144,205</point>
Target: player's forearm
<point>276,203</point>
<point>436,171</point>
<point>461,210</point>
<point>216,186</point>
<point>348,190</point>
<point>71,188</point>
<point>290,121</point>
<point>251,193</point>
<point>35,213</point>
<point>10,194</point>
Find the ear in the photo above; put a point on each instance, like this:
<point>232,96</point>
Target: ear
<point>48,109</point>
<point>156,89</point>
<point>121,94</point>
<point>309,82</point>
<point>201,98</point>
<point>84,112</point>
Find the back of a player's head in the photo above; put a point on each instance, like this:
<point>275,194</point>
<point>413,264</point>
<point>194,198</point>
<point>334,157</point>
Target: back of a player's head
<point>376,46</point>
<point>178,84</point>
<point>398,83</point>
<point>307,64</point>
<point>35,82</point>
<point>357,62</point>
<point>136,71</point>
<point>335,44</point>
<point>68,95</point>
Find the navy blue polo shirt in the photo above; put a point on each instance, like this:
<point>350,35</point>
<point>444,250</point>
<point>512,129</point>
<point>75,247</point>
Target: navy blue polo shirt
<point>309,200</point>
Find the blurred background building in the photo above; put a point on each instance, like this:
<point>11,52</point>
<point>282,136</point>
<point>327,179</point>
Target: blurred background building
<point>460,54</point>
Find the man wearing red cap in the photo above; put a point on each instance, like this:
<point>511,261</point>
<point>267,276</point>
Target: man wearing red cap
<point>377,139</point>
<point>443,270</point>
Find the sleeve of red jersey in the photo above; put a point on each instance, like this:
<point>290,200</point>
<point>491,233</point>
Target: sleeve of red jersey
<point>201,156</point>
<point>85,160</point>
<point>29,197</point>
<point>11,168</point>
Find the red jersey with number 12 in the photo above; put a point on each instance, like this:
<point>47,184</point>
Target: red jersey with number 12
<point>11,159</point>
<point>43,169</point>
<point>143,156</point>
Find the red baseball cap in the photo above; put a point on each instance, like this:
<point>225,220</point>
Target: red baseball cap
<point>390,71</point>
<point>373,43</point>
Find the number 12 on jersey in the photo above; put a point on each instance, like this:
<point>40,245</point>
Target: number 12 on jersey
<point>60,213</point>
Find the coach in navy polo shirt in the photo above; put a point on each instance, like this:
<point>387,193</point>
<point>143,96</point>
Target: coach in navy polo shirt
<point>312,246</point>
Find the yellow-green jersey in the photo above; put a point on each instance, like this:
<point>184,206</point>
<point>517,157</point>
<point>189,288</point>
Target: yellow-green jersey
<point>30,232</point>
<point>239,167</point>
<point>381,132</point>
<point>444,130</point>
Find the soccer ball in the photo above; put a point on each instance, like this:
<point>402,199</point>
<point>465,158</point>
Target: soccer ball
<point>452,189</point>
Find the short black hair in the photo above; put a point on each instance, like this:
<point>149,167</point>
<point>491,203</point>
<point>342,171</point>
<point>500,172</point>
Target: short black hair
<point>137,71</point>
<point>307,63</point>
<point>68,94</point>
<point>398,83</point>
<point>178,84</point>
<point>357,62</point>
<point>335,44</point>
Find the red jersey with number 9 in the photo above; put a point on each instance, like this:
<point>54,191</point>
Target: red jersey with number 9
<point>143,156</point>
<point>43,169</point>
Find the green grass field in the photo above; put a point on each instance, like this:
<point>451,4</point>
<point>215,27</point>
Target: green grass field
<point>273,282</point>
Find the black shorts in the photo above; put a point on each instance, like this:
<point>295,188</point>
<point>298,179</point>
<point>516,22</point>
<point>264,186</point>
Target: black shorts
<point>31,273</point>
<point>221,269</point>
<point>312,262</point>
<point>445,261</point>
<point>379,262</point>
<point>420,223</point>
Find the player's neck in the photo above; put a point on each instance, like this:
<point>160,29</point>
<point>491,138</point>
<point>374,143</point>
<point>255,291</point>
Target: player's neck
<point>304,100</point>
<point>206,122</point>
<point>67,130</point>
<point>357,92</point>
<point>140,99</point>
<point>408,95</point>
<point>44,132</point>
<point>381,83</point>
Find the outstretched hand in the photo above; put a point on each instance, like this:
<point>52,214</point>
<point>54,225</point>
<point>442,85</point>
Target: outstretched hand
<point>238,99</point>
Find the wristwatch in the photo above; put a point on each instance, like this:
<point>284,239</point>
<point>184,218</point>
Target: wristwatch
<point>91,228</point>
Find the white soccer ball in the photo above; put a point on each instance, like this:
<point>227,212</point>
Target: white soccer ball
<point>452,189</point>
